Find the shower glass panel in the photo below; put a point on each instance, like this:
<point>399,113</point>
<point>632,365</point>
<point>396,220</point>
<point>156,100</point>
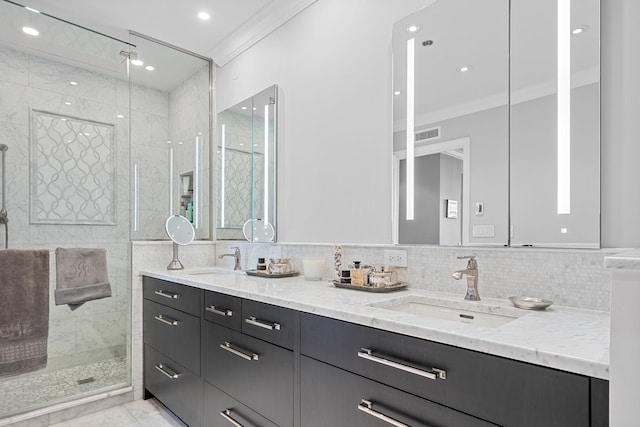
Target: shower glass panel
<point>65,118</point>
<point>170,134</point>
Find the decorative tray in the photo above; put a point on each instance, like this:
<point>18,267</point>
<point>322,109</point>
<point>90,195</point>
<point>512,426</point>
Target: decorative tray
<point>529,303</point>
<point>260,273</point>
<point>364,288</point>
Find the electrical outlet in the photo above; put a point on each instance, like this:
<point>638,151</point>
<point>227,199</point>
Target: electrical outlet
<point>395,257</point>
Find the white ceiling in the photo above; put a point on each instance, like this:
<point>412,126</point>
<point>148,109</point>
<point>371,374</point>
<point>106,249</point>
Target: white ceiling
<point>234,26</point>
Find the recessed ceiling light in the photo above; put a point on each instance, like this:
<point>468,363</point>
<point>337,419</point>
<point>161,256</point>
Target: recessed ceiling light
<point>243,108</point>
<point>149,68</point>
<point>254,108</point>
<point>579,30</point>
<point>72,83</point>
<point>87,134</point>
<point>30,31</point>
<point>168,142</point>
<point>179,142</point>
<point>414,28</point>
<point>120,116</point>
<point>465,68</point>
<point>241,144</point>
<point>67,103</point>
<point>204,16</point>
<point>397,92</point>
<point>63,119</point>
<point>137,62</point>
<point>30,9</point>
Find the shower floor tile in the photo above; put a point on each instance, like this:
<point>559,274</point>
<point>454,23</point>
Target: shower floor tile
<point>31,391</point>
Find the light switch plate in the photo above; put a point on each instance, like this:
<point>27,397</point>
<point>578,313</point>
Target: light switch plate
<point>484,231</point>
<point>395,257</point>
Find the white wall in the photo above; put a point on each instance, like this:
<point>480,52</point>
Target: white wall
<point>332,63</point>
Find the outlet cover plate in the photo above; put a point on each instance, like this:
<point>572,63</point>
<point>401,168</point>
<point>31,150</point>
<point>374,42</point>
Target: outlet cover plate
<point>395,257</point>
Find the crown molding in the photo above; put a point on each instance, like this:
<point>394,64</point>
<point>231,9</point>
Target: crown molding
<point>260,25</point>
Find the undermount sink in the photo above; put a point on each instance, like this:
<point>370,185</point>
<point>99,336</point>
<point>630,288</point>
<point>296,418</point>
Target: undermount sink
<point>215,270</point>
<point>471,312</point>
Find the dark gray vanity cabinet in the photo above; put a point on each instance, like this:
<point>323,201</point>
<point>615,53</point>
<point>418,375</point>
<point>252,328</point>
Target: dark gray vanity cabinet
<point>171,335</point>
<point>220,360</point>
<point>501,391</point>
<point>251,363</point>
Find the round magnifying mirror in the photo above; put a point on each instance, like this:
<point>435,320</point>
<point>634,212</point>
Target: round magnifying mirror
<point>258,230</point>
<point>181,231</point>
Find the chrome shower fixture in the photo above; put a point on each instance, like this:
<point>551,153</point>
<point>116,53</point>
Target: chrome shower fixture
<point>4,216</point>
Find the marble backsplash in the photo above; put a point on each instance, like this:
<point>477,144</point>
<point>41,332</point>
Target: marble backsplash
<point>574,278</point>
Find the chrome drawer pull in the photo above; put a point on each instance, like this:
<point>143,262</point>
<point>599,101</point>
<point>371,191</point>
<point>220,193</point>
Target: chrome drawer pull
<point>219,311</point>
<point>246,356</point>
<point>255,322</point>
<point>435,374</point>
<point>166,294</point>
<point>367,407</point>
<point>226,414</point>
<point>166,320</point>
<point>169,373</point>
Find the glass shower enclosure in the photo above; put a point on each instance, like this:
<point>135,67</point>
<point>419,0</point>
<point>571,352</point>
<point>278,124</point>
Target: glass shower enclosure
<point>65,121</point>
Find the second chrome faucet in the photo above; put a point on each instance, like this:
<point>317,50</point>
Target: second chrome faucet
<point>472,278</point>
<point>236,257</point>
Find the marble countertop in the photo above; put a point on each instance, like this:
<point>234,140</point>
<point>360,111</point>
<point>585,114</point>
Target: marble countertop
<point>629,260</point>
<point>563,338</point>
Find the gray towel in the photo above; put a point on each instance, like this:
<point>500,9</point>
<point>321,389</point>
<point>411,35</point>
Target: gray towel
<point>24,310</point>
<point>81,276</point>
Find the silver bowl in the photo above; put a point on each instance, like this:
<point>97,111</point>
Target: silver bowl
<point>530,303</point>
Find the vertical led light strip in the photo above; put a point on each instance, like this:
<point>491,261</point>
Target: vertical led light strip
<point>410,126</point>
<point>196,186</point>
<point>564,107</point>
<point>266,164</point>
<point>170,181</point>
<point>136,197</point>
<point>223,141</point>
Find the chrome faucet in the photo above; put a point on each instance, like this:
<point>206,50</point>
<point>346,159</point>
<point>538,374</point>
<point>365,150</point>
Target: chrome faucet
<point>236,257</point>
<point>472,278</point>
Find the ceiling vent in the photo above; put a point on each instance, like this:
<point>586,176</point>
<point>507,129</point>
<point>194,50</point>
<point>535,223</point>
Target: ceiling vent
<point>428,134</point>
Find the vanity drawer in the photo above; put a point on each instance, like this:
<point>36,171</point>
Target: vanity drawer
<point>220,409</point>
<point>181,297</point>
<point>528,395</point>
<point>333,397</point>
<point>223,309</point>
<point>271,323</point>
<point>174,333</point>
<point>173,385</point>
<point>257,373</point>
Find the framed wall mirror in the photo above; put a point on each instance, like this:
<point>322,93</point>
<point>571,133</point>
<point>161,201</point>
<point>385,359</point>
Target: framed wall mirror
<point>519,82</point>
<point>246,177</point>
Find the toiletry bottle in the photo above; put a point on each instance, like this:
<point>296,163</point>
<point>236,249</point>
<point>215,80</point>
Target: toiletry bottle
<point>262,265</point>
<point>356,274</point>
<point>190,211</point>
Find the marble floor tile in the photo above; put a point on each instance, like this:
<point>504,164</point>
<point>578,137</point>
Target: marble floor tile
<point>139,413</point>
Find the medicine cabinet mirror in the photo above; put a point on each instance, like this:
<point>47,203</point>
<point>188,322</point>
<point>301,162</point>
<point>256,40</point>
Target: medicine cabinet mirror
<point>501,100</point>
<point>246,177</point>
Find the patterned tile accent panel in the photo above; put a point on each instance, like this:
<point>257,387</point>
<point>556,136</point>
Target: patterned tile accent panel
<point>73,167</point>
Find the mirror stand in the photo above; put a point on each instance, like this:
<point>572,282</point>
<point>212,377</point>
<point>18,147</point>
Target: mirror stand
<point>181,231</point>
<point>175,264</point>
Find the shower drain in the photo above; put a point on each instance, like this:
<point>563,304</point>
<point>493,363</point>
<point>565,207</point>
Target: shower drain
<point>86,380</point>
